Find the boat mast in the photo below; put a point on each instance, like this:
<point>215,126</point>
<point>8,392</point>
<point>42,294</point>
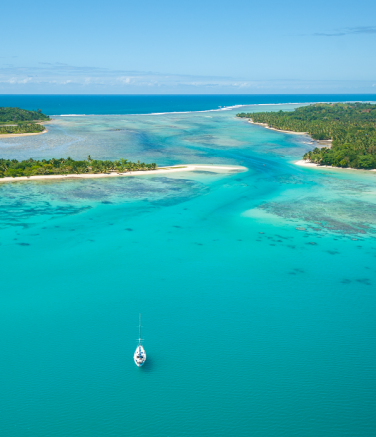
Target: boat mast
<point>139,330</point>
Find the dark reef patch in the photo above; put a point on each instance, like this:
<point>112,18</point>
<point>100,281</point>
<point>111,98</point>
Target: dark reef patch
<point>341,215</point>
<point>364,281</point>
<point>20,203</point>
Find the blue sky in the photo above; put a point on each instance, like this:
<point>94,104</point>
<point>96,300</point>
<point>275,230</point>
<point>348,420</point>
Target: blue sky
<point>188,47</point>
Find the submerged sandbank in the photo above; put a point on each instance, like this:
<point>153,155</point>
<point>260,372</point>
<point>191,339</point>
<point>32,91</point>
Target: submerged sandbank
<point>161,170</point>
<point>304,163</point>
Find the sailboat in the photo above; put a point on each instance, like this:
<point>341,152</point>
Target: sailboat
<point>140,354</point>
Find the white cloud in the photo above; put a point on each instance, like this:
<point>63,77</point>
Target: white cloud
<point>59,77</point>
<point>368,30</point>
<point>15,80</point>
<point>124,79</point>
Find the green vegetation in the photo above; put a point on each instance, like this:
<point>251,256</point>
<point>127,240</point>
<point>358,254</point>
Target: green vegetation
<point>21,128</point>
<point>31,167</point>
<point>21,121</point>
<point>351,126</point>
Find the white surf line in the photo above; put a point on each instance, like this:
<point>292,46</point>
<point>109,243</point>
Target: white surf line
<point>161,170</point>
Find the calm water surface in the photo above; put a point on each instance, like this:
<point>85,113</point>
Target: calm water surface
<point>257,289</point>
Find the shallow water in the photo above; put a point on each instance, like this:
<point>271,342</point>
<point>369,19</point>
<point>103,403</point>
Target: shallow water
<point>257,289</point>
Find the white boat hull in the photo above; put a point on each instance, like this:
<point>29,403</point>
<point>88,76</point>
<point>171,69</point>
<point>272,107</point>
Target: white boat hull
<point>139,356</point>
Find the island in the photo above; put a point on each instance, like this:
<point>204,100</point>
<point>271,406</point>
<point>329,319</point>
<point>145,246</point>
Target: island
<point>349,128</point>
<point>66,168</point>
<point>16,122</point>
<point>63,166</point>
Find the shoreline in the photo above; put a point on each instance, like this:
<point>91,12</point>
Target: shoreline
<point>161,170</point>
<point>22,135</point>
<point>304,163</point>
<point>266,126</point>
<point>326,143</point>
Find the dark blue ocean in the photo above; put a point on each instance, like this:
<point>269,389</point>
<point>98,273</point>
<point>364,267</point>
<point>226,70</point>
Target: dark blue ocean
<point>147,104</point>
<point>256,288</point>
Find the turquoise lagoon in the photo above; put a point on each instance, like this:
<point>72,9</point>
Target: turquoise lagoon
<point>256,288</point>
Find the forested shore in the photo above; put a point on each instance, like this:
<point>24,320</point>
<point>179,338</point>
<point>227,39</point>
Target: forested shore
<point>64,166</point>
<point>21,121</point>
<point>351,127</point>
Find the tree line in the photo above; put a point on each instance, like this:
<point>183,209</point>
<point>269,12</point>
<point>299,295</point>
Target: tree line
<point>20,121</point>
<point>21,128</point>
<point>64,166</point>
<point>8,114</point>
<point>350,126</point>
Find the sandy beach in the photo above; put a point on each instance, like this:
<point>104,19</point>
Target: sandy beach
<point>21,135</point>
<point>304,163</point>
<point>266,126</point>
<point>323,143</point>
<point>161,170</point>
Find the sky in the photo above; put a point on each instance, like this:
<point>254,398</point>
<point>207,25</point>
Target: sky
<point>201,46</point>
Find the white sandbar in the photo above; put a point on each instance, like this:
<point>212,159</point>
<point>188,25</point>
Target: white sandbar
<point>161,170</point>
